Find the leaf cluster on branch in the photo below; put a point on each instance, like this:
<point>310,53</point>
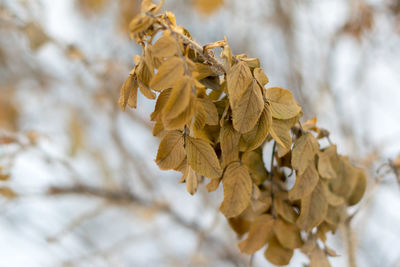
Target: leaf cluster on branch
<point>213,115</point>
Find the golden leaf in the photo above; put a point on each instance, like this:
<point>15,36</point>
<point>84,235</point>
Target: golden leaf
<point>256,137</point>
<point>144,74</point>
<point>251,62</point>
<point>334,215</point>
<point>182,119</point>
<point>318,258</point>
<point>331,198</point>
<point>140,23</point>
<point>305,183</point>
<point>210,109</point>
<point>280,133</point>
<point>346,179</point>
<point>238,80</point>
<point>259,233</point>
<point>282,103</point>
<point>359,188</point>
<point>169,72</point>
<point>128,93</point>
<point>199,120</point>
<point>287,234</point>
<point>237,186</point>
<point>303,152</point>
<point>248,109</point>
<point>277,254</point>
<point>202,158</point>
<point>325,159</point>
<point>284,208</point>
<point>179,98</point>
<point>229,139</point>
<point>171,151</point>
<point>255,165</point>
<point>260,76</point>
<point>313,209</point>
<point>240,225</point>
<point>203,71</point>
<point>160,104</point>
<point>158,129</point>
<point>192,180</point>
<point>213,185</point>
<point>166,46</point>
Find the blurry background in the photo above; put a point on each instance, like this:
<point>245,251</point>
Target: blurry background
<point>78,184</point>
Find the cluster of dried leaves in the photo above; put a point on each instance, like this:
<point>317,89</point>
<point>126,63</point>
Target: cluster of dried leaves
<point>214,115</point>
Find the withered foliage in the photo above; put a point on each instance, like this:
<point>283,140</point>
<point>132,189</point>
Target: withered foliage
<point>214,115</point>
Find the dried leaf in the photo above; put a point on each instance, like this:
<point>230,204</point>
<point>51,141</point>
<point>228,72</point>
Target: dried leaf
<point>287,234</point>
<point>313,209</point>
<point>238,80</point>
<point>160,104</point>
<point>260,76</point>
<point>166,46</point>
<point>259,234</point>
<point>359,189</point>
<point>255,165</point>
<point>248,109</point>
<point>202,158</point>
<point>229,139</point>
<point>179,98</point>
<point>303,152</point>
<point>213,185</point>
<point>282,103</point>
<point>171,151</point>
<point>169,72</point>
<point>256,137</point>
<point>210,109</point>
<point>325,159</point>
<point>191,179</point>
<point>318,258</point>
<point>277,254</point>
<point>128,93</point>
<point>237,186</point>
<point>182,119</point>
<point>305,183</point>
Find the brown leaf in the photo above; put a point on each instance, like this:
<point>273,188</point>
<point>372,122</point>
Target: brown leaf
<point>260,76</point>
<point>211,111</point>
<point>318,258</point>
<point>191,179</point>
<point>359,188</point>
<point>325,159</point>
<point>256,137</point>
<point>259,233</point>
<point>160,104</point>
<point>238,80</point>
<point>229,139</point>
<point>171,151</point>
<point>182,119</point>
<point>303,152</point>
<point>128,93</point>
<point>179,98</point>
<point>282,103</point>
<point>202,158</point>
<point>277,254</point>
<point>280,133</point>
<point>169,72</point>
<point>213,185</point>
<point>255,165</point>
<point>305,183</point>
<point>313,209</point>
<point>248,109</point>
<point>237,186</point>
<point>166,46</point>
<point>287,234</point>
